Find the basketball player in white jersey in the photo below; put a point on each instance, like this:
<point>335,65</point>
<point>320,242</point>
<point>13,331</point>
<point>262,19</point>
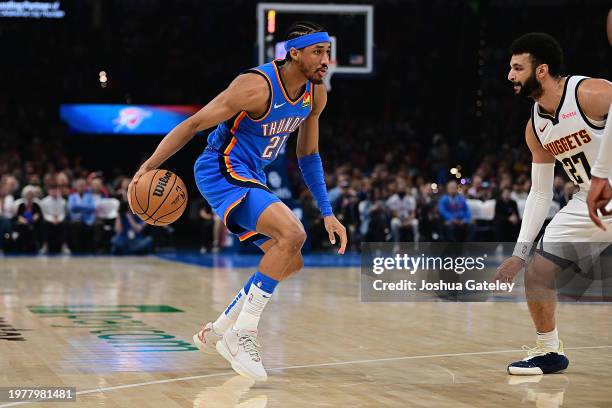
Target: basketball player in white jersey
<point>567,123</point>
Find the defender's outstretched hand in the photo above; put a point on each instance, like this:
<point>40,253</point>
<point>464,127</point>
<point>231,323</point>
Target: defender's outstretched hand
<point>599,196</point>
<point>333,226</point>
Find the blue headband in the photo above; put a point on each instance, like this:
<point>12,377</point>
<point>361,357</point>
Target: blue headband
<point>306,40</point>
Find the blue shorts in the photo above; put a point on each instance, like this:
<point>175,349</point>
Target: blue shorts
<point>236,194</point>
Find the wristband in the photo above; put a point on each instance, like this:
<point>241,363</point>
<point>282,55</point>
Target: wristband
<point>312,172</point>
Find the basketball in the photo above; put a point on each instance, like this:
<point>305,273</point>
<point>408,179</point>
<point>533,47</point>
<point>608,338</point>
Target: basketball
<point>159,197</point>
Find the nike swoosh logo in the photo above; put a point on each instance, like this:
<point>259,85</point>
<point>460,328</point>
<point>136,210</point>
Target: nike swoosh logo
<point>278,106</point>
<point>230,349</point>
<point>542,129</point>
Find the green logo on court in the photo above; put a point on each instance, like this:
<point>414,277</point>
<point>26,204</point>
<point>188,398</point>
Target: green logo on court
<point>113,324</point>
<point>103,308</point>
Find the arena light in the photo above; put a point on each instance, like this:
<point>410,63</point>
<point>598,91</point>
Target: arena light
<point>271,21</point>
<point>453,170</point>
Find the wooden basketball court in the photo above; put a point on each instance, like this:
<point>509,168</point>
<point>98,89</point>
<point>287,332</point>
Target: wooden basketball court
<point>119,330</point>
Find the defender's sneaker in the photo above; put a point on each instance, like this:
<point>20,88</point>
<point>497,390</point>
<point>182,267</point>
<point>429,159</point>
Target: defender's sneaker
<point>206,339</point>
<point>241,349</point>
<point>540,360</point>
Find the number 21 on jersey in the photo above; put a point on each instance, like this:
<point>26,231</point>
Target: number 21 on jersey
<point>276,143</point>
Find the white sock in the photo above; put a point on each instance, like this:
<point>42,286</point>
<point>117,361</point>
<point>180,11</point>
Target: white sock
<point>229,315</point>
<point>248,319</point>
<point>549,340</point>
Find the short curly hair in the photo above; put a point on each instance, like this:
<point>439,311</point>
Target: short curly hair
<point>543,48</point>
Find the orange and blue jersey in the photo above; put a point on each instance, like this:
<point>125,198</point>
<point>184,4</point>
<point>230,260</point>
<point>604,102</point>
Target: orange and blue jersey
<point>239,149</point>
<point>257,141</point>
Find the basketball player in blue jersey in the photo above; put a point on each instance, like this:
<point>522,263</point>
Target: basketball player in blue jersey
<point>568,121</point>
<point>255,116</point>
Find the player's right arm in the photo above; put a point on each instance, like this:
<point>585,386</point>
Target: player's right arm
<point>248,92</point>
<point>536,206</point>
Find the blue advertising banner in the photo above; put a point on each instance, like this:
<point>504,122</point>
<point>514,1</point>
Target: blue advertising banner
<point>124,119</point>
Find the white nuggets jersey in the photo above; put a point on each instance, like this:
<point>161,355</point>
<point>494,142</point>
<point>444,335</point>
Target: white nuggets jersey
<point>574,140</point>
<point>572,137</point>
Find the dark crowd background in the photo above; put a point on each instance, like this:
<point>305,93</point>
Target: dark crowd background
<point>438,99</point>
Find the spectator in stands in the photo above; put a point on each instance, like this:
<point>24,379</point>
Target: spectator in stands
<point>96,185</point>
<point>440,157</point>
<point>373,216</point>
<point>129,238</point>
<point>6,214</point>
<point>97,189</point>
<point>102,225</point>
<point>402,207</point>
<point>455,215</point>
<point>521,189</point>
<point>335,193</point>
<point>82,212</point>
<point>34,180</point>
<point>28,220</point>
<point>427,214</point>
<point>54,209</point>
<point>347,211</point>
<point>505,181</point>
<point>63,183</point>
<point>475,190</point>
<point>121,187</point>
<point>507,222</point>
<point>12,186</point>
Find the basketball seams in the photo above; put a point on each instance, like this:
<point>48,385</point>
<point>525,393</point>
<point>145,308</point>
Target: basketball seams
<point>165,198</point>
<point>149,193</point>
<point>176,209</point>
<point>135,197</point>
<point>182,207</point>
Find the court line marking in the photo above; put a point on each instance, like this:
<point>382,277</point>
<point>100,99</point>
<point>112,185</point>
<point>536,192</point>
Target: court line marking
<point>331,364</point>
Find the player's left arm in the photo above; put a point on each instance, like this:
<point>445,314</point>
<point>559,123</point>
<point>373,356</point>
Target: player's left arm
<point>308,134</point>
<point>595,98</point>
<point>311,166</point>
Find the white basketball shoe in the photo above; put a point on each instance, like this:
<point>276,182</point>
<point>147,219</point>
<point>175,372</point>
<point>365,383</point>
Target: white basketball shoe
<point>206,339</point>
<point>241,349</point>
